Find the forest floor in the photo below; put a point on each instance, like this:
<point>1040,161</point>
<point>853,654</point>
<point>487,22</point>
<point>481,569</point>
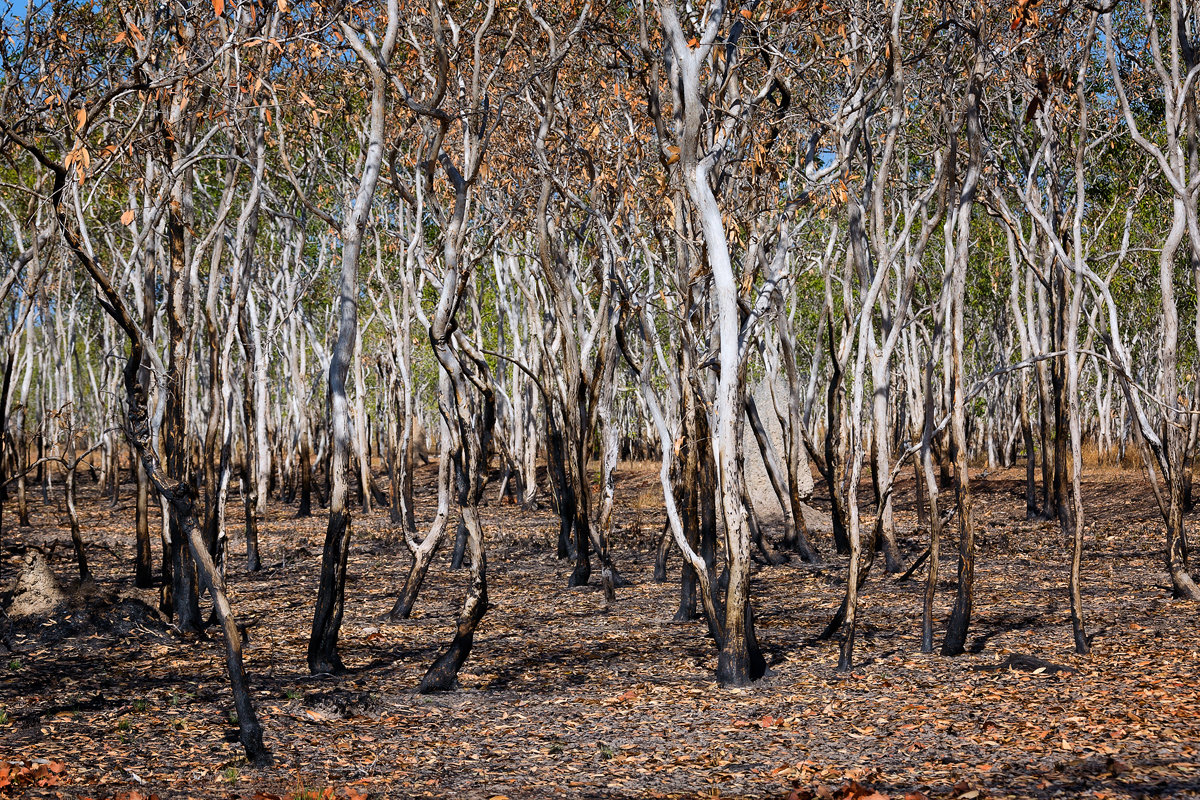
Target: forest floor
<point>563,697</point>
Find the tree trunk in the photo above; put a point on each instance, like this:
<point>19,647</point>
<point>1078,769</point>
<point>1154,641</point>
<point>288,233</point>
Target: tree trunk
<point>935,518</point>
<point>306,478</point>
<point>960,617</point>
<point>443,673</point>
<point>185,594</point>
<point>251,478</point>
<point>327,619</point>
<point>69,490</point>
<point>143,563</point>
<point>423,553</point>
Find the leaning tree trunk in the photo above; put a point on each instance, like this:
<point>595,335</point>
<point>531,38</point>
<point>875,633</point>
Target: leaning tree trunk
<point>250,477</point>
<point>834,466</point>
<point>468,435</point>
<point>1074,585</point>
<point>796,460</point>
<point>776,476</point>
<point>180,494</point>
<point>423,553</point>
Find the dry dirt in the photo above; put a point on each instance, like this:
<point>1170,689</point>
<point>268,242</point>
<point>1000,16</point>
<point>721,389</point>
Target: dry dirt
<point>563,697</point>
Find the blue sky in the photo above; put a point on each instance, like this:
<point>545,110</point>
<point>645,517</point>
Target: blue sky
<point>13,8</point>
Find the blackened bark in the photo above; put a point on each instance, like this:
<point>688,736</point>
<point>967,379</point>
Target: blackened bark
<point>1031,503</point>
<point>327,618</point>
<point>69,490</point>
<point>560,489</point>
<point>323,656</point>
<point>181,495</point>
<point>935,518</point>
<point>1044,408</point>
<point>661,552</point>
<point>582,573</point>
<point>459,555</point>
<point>920,495</point>
<point>403,607</point>
<point>306,479</point>
<point>833,450</point>
<point>1058,380</point>
<point>960,616</point>
<point>4,391</point>
<point>424,552</point>
<point>740,661</point>
<point>394,419</point>
<point>143,568</point>
<point>250,497</point>
<point>443,673</point>
<point>690,513</point>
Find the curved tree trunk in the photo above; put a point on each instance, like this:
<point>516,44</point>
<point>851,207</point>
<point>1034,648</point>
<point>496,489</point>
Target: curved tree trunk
<point>423,553</point>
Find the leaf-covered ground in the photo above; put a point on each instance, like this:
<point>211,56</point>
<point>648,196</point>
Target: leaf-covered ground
<point>563,697</point>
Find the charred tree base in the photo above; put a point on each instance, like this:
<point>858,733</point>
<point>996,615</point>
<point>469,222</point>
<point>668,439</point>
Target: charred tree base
<point>185,597</point>
<point>402,610</point>
<point>564,551</point>
<point>618,580</point>
<point>580,575</point>
<point>846,653</point>
<point>804,549</point>
<point>323,656</point>
<point>442,676</point>
<point>688,596</point>
<point>955,642</point>
<point>892,561</point>
<point>609,585</point>
<point>251,739</point>
<point>660,555</point>
<point>835,623</point>
<point>1184,588</point>
<point>742,666</point>
<point>740,661</point>
<point>325,664</point>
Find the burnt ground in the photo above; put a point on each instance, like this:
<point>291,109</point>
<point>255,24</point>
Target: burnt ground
<point>563,697</point>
